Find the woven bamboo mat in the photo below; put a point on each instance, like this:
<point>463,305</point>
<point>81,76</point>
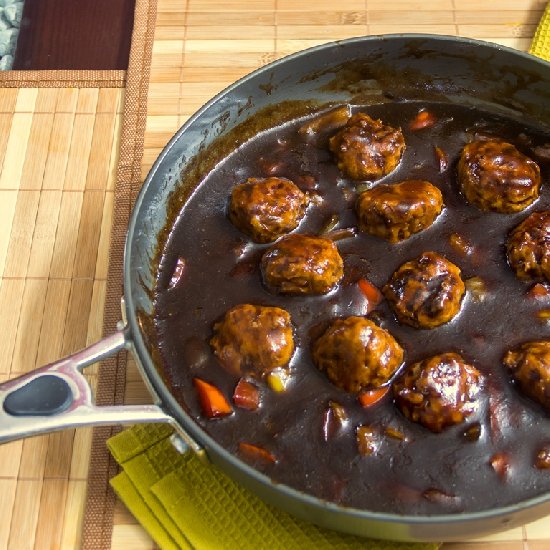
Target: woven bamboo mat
<point>59,149</point>
<point>58,153</point>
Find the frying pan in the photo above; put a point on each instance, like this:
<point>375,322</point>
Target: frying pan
<point>356,71</point>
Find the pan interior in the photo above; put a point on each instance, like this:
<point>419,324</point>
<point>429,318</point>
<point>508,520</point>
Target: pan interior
<point>363,72</point>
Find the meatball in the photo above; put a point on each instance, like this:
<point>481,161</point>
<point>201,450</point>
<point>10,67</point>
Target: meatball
<point>356,354</point>
<point>397,211</point>
<point>425,292</point>
<point>528,247</point>
<point>529,364</point>
<point>267,208</point>
<point>367,149</point>
<point>494,175</point>
<point>253,339</point>
<point>300,264</point>
<point>438,392</point>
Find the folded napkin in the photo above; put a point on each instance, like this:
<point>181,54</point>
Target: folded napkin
<point>185,503</point>
<point>541,41</point>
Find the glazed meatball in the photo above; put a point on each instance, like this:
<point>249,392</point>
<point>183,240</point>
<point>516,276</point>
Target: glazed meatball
<point>300,264</point>
<point>425,292</point>
<point>367,149</point>
<point>494,175</point>
<point>253,339</point>
<point>397,211</point>
<point>439,391</point>
<point>267,208</point>
<point>356,354</point>
<point>529,364</point>
<point>528,247</point>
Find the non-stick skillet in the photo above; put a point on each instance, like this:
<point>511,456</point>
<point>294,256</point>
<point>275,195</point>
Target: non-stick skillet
<point>358,71</point>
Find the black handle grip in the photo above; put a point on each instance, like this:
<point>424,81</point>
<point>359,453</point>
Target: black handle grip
<point>45,395</point>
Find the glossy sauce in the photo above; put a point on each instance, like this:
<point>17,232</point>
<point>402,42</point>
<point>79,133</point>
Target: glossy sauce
<point>427,473</point>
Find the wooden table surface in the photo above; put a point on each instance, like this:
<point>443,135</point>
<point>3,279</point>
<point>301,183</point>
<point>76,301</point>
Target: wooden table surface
<point>58,153</point>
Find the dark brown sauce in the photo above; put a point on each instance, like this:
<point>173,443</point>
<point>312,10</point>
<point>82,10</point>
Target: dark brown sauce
<point>429,473</point>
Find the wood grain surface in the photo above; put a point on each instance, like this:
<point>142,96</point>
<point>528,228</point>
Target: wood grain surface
<point>58,153</point>
<point>58,149</point>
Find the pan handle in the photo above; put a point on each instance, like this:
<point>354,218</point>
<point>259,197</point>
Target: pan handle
<point>58,396</point>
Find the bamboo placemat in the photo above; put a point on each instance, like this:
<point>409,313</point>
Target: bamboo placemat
<point>58,153</point>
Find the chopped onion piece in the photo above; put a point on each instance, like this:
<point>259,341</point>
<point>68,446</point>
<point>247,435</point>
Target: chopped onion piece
<point>440,497</point>
<point>460,244</point>
<point>341,234</point>
<point>477,288</point>
<point>501,464</point>
<point>334,418</point>
<point>542,461</point>
<point>368,441</point>
<point>395,434</point>
<point>329,225</point>
<point>442,158</point>
<point>472,432</point>
<point>328,121</point>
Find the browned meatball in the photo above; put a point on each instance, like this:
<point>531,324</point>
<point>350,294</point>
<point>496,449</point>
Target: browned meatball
<point>367,149</point>
<point>530,367</point>
<point>425,292</point>
<point>356,354</point>
<point>528,247</point>
<point>438,392</point>
<point>396,211</point>
<point>267,208</point>
<point>253,339</point>
<point>494,175</point>
<point>300,264</point>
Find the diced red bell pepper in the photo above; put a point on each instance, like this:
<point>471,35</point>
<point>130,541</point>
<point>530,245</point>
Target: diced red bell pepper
<point>213,403</point>
<point>371,397</point>
<point>257,453</point>
<point>539,291</point>
<point>372,294</point>
<point>246,395</point>
<point>424,119</point>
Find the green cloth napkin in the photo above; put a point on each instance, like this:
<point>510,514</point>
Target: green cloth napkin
<point>541,41</point>
<point>185,503</point>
